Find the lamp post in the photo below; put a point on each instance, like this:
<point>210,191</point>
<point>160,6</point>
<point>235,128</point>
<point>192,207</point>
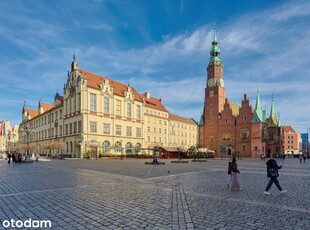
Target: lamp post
<point>28,131</point>
<point>9,136</point>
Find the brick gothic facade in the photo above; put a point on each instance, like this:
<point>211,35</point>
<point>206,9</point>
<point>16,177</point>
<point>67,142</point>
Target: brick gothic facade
<point>238,128</point>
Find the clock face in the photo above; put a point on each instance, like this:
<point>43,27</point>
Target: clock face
<point>211,82</point>
<point>221,82</point>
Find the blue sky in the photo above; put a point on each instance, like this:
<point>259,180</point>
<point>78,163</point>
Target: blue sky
<point>159,46</point>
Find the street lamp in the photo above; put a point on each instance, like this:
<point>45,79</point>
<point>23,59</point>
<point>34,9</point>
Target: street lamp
<point>27,130</point>
<point>9,136</point>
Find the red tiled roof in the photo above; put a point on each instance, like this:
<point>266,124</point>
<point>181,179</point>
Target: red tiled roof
<point>94,81</point>
<point>153,103</point>
<point>288,129</point>
<point>60,98</point>
<point>181,119</point>
<point>47,107</point>
<point>32,112</point>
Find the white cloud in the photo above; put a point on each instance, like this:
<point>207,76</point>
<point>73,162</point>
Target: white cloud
<point>101,26</point>
<point>268,50</point>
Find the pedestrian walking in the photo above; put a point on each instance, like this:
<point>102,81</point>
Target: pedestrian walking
<point>300,158</point>
<point>229,173</point>
<point>37,157</point>
<point>9,157</point>
<point>304,156</point>
<point>20,158</point>
<point>234,184</point>
<point>273,173</point>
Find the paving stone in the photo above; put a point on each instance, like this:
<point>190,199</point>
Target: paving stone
<point>112,194</point>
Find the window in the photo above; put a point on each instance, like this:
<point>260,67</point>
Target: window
<point>243,148</point>
<point>128,149</point>
<point>138,112</point>
<point>106,128</point>
<point>118,130</point>
<point>70,128</point>
<point>60,114</point>
<point>138,132</point>
<point>129,131</point>
<point>154,139</point>
<point>79,126</point>
<point>148,129</point>
<point>154,130</point>
<point>138,147</point>
<point>159,130</point>
<point>74,127</point>
<point>118,107</point>
<point>128,109</point>
<point>244,133</point>
<point>148,139</point>
<point>106,104</point>
<point>60,130</point>
<point>93,127</point>
<point>66,129</point>
<point>93,102</point>
<point>106,146</point>
<point>118,146</point>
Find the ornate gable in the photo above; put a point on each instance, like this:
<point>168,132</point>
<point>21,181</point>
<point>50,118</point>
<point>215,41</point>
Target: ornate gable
<point>106,88</point>
<point>128,94</point>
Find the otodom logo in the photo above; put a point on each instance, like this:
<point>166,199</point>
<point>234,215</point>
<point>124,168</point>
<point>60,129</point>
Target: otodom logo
<point>27,223</point>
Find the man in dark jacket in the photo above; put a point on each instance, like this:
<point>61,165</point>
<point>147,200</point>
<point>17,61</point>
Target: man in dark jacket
<point>272,173</point>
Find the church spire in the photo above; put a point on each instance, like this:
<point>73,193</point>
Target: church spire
<point>273,121</point>
<point>74,64</point>
<point>215,50</point>
<point>272,111</point>
<point>24,108</point>
<point>258,111</point>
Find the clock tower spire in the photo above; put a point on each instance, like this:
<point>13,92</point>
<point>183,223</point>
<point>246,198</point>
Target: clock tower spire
<point>215,96</point>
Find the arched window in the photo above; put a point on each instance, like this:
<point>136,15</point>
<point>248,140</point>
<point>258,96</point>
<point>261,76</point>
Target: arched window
<point>128,147</point>
<point>244,133</point>
<point>106,146</point>
<point>138,147</point>
<point>118,146</point>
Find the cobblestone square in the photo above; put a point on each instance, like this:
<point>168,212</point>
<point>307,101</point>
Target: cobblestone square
<point>127,194</point>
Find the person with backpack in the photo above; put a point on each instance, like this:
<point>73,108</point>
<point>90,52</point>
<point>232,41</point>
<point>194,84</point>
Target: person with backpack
<point>273,173</point>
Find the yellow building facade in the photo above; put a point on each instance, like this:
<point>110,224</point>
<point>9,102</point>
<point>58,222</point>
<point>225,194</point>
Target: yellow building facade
<point>100,116</point>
